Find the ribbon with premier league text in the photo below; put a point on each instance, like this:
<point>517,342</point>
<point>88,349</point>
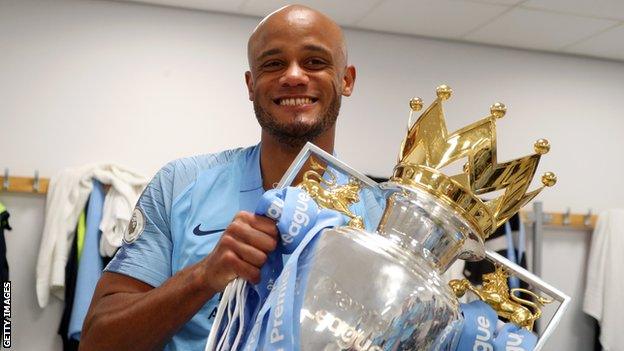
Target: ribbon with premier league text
<point>266,316</point>
<point>481,332</point>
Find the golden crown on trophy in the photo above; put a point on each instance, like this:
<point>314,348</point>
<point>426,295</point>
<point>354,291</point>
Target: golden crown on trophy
<point>428,147</point>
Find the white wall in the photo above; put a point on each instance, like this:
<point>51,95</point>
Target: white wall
<point>86,81</point>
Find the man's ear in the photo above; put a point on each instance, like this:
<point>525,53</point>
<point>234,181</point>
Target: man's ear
<point>348,80</point>
<point>249,82</point>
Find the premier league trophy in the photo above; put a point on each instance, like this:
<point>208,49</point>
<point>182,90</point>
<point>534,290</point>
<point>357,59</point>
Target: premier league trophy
<point>370,289</point>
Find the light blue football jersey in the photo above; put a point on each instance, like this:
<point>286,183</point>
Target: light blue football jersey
<point>180,217</point>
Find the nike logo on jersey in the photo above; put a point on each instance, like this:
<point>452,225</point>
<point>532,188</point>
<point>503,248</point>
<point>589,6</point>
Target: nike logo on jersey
<point>200,232</point>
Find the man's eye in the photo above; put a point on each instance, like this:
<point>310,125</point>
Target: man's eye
<point>316,63</point>
<point>272,65</point>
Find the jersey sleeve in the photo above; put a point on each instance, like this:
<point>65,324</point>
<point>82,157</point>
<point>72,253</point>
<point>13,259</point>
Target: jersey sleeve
<point>147,249</point>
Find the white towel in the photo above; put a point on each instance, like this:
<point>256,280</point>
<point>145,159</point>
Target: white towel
<point>605,279</point>
<point>126,187</point>
<point>67,196</point>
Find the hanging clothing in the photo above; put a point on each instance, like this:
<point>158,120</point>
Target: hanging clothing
<point>4,224</point>
<point>67,195</point>
<point>90,264</point>
<point>71,272</point>
<point>605,286</point>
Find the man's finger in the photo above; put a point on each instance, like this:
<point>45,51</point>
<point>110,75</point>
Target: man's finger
<point>256,238</point>
<point>250,254</point>
<point>247,271</point>
<point>261,223</point>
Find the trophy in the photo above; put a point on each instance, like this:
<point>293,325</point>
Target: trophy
<point>380,288</point>
<point>376,283</point>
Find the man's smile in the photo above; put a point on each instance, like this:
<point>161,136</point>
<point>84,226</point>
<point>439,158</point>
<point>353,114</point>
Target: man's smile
<point>295,101</point>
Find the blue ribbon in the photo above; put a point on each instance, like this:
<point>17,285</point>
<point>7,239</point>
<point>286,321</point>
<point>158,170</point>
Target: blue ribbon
<point>276,326</point>
<point>479,327</point>
<point>513,338</point>
<point>480,331</point>
<point>272,307</point>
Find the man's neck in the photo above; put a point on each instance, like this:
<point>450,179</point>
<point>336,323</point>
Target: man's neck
<point>275,157</point>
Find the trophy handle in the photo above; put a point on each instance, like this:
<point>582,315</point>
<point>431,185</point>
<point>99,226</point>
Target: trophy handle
<point>539,284</point>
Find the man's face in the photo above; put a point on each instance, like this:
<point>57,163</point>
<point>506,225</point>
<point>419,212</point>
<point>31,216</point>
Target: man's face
<point>298,75</point>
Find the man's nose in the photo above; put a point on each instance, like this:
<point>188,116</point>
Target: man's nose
<point>294,76</point>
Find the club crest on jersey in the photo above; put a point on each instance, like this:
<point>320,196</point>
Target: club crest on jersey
<point>135,227</point>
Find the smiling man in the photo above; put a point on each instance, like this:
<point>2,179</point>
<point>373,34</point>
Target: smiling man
<point>193,229</point>
<point>298,75</point>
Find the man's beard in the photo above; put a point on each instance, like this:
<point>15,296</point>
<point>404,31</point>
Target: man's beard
<point>295,134</point>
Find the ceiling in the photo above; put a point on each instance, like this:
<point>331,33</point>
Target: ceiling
<point>583,27</point>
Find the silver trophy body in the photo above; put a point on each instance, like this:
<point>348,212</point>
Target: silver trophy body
<point>383,290</point>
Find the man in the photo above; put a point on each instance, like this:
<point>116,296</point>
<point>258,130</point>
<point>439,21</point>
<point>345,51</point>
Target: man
<point>161,289</point>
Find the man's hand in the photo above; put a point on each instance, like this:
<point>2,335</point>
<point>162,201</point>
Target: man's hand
<point>242,250</point>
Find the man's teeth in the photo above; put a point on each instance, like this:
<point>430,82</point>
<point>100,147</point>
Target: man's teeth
<point>295,102</point>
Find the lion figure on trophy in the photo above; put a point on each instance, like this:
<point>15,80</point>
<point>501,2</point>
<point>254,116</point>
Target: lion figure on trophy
<point>332,196</point>
<point>495,292</point>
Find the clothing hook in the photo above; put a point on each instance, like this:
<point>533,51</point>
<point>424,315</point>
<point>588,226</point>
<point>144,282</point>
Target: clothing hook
<point>566,217</point>
<point>5,183</point>
<point>588,218</point>
<point>36,182</point>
